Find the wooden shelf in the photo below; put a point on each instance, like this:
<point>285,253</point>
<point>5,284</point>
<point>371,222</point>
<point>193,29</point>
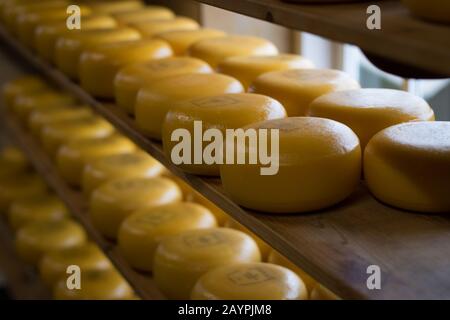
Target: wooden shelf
<point>335,246</point>
<point>403,38</point>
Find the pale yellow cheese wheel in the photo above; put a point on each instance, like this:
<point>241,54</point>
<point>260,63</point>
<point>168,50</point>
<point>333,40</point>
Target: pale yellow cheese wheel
<point>408,166</point>
<point>23,85</point>
<point>38,238</point>
<point>250,281</point>
<point>319,292</point>
<point>12,162</point>
<point>112,7</point>
<point>130,165</point>
<point>319,166</point>
<point>215,50</point>
<point>140,233</point>
<point>153,27</point>
<point>368,111</point>
<point>131,78</point>
<point>297,88</point>
<point>98,66</point>
<point>226,111</point>
<point>69,46</point>
<point>432,10</point>
<point>53,265</point>
<point>150,12</point>
<point>37,208</point>
<point>113,201</point>
<point>73,156</point>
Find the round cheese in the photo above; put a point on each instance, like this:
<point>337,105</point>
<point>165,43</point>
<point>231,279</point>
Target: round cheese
<point>154,27</point>
<point>144,14</point>
<point>131,78</point>
<point>140,233</point>
<point>34,209</point>
<point>319,166</point>
<point>155,100</point>
<point>368,111</point>
<point>215,50</point>
<point>432,10</point>
<point>69,46</point>
<point>319,292</point>
<point>112,7</point>
<point>73,156</point>
<point>12,162</point>
<point>24,85</point>
<point>181,40</point>
<point>98,66</point>
<point>113,201</point>
<point>227,111</point>
<point>180,260</point>
<point>126,165</point>
<point>408,166</point>
<point>87,257</point>
<point>249,281</point>
<point>38,238</point>
<point>297,88</point>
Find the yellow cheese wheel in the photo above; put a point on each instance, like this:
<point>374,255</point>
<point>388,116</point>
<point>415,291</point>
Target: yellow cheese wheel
<point>20,186</point>
<point>87,257</point>
<point>140,233</point>
<point>111,7</point>
<point>432,10</point>
<point>129,165</point>
<point>155,100</point>
<point>69,46</point>
<point>264,248</point>
<point>153,27</point>
<point>23,85</point>
<point>143,14</point>
<point>37,208</point>
<point>277,258</point>
<point>74,155</point>
<point>319,292</point>
<point>55,134</point>
<point>221,216</point>
<point>98,66</point>
<point>227,111</point>
<point>95,285</point>
<point>319,166</point>
<point>38,238</point>
<point>12,162</point>
<point>368,111</point>
<point>131,78</point>
<point>46,34</point>
<point>180,260</point>
<point>247,68</point>
<point>113,201</point>
<point>297,88</point>
<point>250,281</point>
<point>181,40</point>
<point>215,50</point>
<point>408,166</point>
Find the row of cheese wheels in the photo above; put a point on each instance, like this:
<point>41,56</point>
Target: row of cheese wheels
<point>132,200</point>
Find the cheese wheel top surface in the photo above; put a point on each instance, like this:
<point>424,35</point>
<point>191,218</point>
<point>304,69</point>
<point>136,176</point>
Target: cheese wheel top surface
<point>111,7</point>
<point>142,14</point>
<point>25,104</point>
<point>94,37</point>
<point>27,84</point>
<point>154,27</point>
<point>40,118</point>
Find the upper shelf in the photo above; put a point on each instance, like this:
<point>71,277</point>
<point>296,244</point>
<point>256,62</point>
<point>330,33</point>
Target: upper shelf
<point>403,39</point>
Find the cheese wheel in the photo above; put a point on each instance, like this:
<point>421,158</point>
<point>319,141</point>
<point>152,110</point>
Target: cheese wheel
<point>87,257</point>
<point>98,66</point>
<point>53,135</point>
<point>74,155</point>
<point>215,50</point>
<point>181,40</point>
<point>319,292</point>
<point>113,201</point>
<point>144,14</point>
<point>277,258</point>
<point>154,27</point>
<point>38,238</point>
<point>23,85</point>
<point>140,233</point>
<point>20,186</point>
<point>112,7</point>
<point>432,10</point>
<point>227,111</point>
<point>408,166</point>
<point>250,281</point>
<point>12,162</point>
<point>46,34</point>
<point>180,260</point>
<point>319,165</point>
<point>155,100</point>
<point>297,88</point>
<point>69,46</point>
<point>34,209</point>
<point>368,111</point>
<point>262,245</point>
<point>131,78</point>
<point>95,285</point>
<point>129,165</point>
